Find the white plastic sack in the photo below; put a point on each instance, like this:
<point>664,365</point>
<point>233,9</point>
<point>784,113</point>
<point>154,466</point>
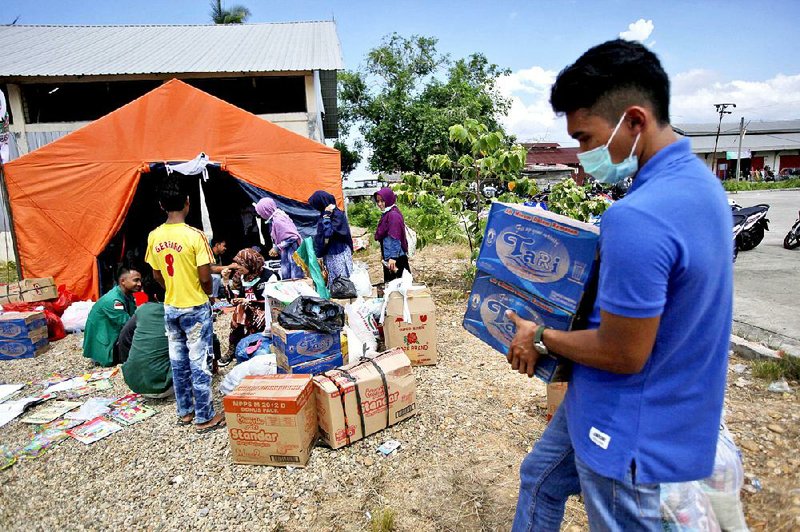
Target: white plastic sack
<point>361,322</point>
<point>74,318</point>
<point>725,483</point>
<point>258,365</point>
<point>411,240</point>
<point>686,508</point>
<point>360,278</point>
<point>288,291</point>
<point>401,286</point>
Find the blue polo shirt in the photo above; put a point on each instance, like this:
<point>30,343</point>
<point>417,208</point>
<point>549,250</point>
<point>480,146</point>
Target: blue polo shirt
<point>665,250</point>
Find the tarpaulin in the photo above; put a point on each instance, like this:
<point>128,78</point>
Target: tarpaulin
<point>70,197</point>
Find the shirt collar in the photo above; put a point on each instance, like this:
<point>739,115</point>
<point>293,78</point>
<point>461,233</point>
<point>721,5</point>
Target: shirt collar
<point>662,159</point>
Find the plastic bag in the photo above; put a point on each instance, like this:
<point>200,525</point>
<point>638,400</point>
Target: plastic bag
<point>74,318</point>
<point>411,240</point>
<point>725,482</point>
<point>360,278</point>
<point>362,324</point>
<point>343,288</point>
<point>263,364</point>
<point>686,508</point>
<point>55,329</point>
<point>312,314</point>
<point>252,346</point>
<point>62,302</point>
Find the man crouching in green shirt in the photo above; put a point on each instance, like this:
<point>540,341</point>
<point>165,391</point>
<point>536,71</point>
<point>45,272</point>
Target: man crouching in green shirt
<point>147,369</point>
<point>107,318</point>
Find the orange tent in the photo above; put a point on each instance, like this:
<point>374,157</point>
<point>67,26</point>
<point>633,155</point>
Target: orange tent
<point>69,198</point>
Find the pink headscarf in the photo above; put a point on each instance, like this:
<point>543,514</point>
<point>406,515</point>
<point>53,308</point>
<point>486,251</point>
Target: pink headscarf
<point>283,227</point>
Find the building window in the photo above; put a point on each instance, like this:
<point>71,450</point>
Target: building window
<point>258,95</point>
<point>78,102</point>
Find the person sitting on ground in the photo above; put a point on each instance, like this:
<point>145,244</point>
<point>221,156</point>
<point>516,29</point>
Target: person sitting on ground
<point>107,318</point>
<point>218,248</point>
<point>147,369</point>
<point>246,290</point>
<point>333,242</point>
<point>285,237</point>
<point>391,233</point>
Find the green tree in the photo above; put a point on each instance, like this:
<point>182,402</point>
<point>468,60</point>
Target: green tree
<point>350,158</point>
<point>237,14</point>
<point>406,97</point>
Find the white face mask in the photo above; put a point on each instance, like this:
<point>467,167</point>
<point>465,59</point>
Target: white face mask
<point>597,162</point>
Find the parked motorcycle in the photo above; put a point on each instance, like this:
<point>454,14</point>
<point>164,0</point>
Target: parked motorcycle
<point>749,225</point>
<point>792,239</point>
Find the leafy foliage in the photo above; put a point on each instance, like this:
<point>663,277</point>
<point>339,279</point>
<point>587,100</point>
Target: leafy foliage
<point>408,95</point>
<point>349,158</point>
<point>734,186</point>
<point>237,14</point>
<point>570,199</point>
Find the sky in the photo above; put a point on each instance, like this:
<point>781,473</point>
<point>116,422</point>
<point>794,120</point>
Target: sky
<point>714,51</point>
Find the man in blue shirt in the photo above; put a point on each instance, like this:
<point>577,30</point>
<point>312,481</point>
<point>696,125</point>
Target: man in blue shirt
<point>645,399</point>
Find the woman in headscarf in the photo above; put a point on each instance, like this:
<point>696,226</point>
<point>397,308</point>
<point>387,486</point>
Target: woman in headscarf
<point>285,237</point>
<point>333,242</point>
<point>246,291</point>
<point>391,233</point>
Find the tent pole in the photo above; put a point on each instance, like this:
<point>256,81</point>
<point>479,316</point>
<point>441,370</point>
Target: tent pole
<point>12,230</point>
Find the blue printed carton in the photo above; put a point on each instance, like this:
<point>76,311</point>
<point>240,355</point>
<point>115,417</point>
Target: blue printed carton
<point>23,348</point>
<point>311,367</point>
<point>304,346</point>
<point>545,254</point>
<point>19,325</point>
<point>486,318</point>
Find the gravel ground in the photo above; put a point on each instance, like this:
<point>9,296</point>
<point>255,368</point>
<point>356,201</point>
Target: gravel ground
<point>456,469</point>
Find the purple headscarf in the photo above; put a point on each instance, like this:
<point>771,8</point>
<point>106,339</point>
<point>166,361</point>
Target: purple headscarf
<point>283,227</point>
<point>392,223</point>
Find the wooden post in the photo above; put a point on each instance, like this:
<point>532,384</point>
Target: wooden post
<point>7,207</point>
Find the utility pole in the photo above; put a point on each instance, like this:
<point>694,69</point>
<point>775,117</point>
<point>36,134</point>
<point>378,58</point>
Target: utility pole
<point>739,154</point>
<point>721,110</point>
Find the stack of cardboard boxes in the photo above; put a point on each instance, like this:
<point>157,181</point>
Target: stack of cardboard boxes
<point>312,352</point>
<point>540,265</point>
<point>417,337</point>
<point>28,291</point>
<point>22,335</point>
<point>275,419</point>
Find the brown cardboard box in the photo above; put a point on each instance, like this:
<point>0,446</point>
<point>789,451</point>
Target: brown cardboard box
<point>352,400</point>
<point>29,290</point>
<point>272,420</point>
<point>419,338</point>
<point>555,396</point>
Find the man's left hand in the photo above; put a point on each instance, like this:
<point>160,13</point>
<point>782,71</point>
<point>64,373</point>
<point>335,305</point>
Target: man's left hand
<point>521,354</point>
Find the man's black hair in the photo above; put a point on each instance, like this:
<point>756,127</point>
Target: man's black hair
<point>172,194</point>
<point>611,77</point>
<point>215,241</point>
<point>154,291</point>
<point>125,271</point>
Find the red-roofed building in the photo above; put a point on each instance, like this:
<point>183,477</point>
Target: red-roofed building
<point>552,157</point>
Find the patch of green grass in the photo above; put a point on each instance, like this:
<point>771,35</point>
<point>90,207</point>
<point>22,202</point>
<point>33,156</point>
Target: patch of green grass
<point>383,520</point>
<point>732,185</point>
<point>787,368</point>
<point>8,271</point>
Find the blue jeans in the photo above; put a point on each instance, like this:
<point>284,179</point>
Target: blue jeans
<point>216,284</point>
<point>190,333</point>
<point>551,473</point>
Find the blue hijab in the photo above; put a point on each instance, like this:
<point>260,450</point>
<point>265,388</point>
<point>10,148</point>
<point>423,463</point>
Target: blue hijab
<point>340,237</point>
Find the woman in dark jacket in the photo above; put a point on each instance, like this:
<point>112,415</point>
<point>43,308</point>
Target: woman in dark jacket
<point>333,242</point>
<point>391,234</point>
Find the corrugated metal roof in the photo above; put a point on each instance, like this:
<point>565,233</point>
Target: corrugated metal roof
<point>775,126</point>
<point>114,50</point>
<point>755,142</point>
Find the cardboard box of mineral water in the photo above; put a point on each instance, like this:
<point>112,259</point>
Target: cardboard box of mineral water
<point>272,420</point>
<point>545,254</point>
<point>486,318</point>
<point>30,347</point>
<point>360,399</point>
<point>314,366</point>
<point>301,346</point>
<point>18,325</point>
<point>419,337</point>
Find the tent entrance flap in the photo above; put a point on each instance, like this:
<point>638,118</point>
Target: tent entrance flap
<point>230,211</point>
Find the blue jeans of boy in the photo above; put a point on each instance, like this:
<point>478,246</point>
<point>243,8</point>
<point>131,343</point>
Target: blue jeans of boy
<point>551,473</point>
<point>190,333</point>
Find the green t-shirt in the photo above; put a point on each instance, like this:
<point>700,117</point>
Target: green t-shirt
<point>147,369</point>
<point>104,323</point>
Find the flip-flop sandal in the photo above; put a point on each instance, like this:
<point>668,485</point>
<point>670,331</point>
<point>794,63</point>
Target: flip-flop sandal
<point>182,422</point>
<point>218,425</point>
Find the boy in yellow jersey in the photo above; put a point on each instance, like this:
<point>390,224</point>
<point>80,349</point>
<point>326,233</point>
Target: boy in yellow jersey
<point>181,260</point>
